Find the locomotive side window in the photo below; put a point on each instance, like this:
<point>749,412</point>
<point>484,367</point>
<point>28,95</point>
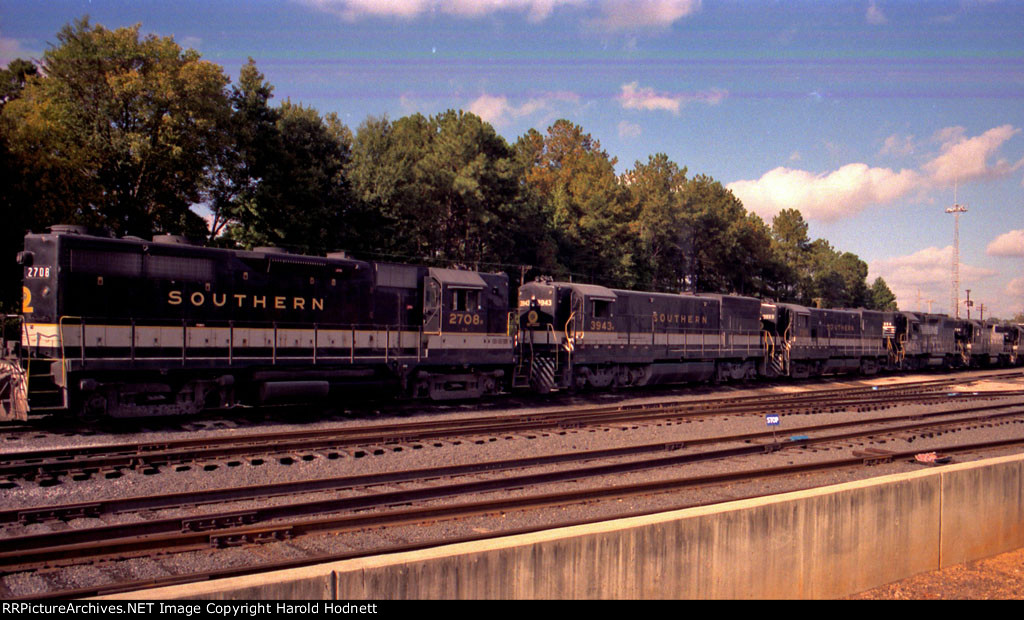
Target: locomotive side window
<point>430,299</point>
<point>602,309</point>
<point>464,300</point>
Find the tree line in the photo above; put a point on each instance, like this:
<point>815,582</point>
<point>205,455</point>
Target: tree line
<point>129,133</point>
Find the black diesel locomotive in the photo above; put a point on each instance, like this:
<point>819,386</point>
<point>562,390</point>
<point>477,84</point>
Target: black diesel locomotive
<point>129,327</point>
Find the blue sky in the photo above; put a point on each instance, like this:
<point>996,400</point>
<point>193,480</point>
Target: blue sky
<point>868,116</point>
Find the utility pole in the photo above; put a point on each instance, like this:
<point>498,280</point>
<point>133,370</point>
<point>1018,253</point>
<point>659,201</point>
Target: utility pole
<point>522,272</point>
<point>956,210</point>
<point>969,304</point>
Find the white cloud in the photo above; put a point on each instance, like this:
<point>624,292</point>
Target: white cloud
<point>824,197</point>
<point>928,266</point>
<point>635,97</point>
<point>629,130</point>
<point>11,49</point>
<point>875,15</point>
<point>496,109</point>
<point>854,187</point>
<point>1015,289</point>
<point>925,275</point>
<point>1007,244</point>
<point>354,9</point>
<point>608,15</point>
<point>963,158</point>
<point>535,10</point>
<point>898,145</point>
<point>617,15</point>
<point>190,42</point>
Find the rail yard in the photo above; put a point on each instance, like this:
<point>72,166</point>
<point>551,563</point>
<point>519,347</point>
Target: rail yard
<point>126,506</point>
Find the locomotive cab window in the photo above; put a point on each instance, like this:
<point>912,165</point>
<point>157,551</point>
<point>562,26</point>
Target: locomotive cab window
<point>602,309</point>
<point>464,300</point>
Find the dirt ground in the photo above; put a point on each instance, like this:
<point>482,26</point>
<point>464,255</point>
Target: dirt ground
<point>998,577</point>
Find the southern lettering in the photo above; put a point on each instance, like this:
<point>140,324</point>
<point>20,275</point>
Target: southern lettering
<point>242,300</point>
<point>680,319</point>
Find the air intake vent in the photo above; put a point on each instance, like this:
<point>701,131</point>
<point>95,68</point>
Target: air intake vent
<point>171,240</point>
<point>69,229</point>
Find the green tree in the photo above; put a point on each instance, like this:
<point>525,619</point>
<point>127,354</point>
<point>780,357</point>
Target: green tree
<point>791,247</point>
<point>582,199</point>
<point>658,222</point>
<point>119,131</point>
<point>249,153</point>
<point>729,249</point>
<point>299,200</point>
<point>14,78</point>
<point>838,279</point>
<point>881,297</point>
<point>16,196</point>
<point>443,187</point>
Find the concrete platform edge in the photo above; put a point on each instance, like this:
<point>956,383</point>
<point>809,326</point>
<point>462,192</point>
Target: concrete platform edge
<point>818,543</point>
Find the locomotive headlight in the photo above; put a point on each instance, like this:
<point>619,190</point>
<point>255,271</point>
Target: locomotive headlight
<point>46,291</point>
<point>26,258</point>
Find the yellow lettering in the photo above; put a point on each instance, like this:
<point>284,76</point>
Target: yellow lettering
<point>223,300</point>
<point>26,300</point>
<point>174,298</point>
<point>259,302</point>
<point>240,299</point>
<point>318,304</point>
<point>279,303</point>
<point>298,303</point>
<point>197,298</point>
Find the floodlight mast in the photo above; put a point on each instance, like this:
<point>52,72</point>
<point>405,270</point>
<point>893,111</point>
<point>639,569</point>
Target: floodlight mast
<point>956,210</point>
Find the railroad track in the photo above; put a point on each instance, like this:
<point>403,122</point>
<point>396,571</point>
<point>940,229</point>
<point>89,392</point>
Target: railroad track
<point>198,541</point>
<point>278,522</point>
<point>103,535</point>
<point>81,463</point>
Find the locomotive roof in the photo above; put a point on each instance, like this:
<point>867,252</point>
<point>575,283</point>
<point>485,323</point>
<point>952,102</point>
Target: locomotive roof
<point>178,248</point>
<point>458,278</point>
<point>587,290</point>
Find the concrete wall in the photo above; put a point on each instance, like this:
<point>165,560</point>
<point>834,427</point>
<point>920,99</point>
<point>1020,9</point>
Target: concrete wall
<point>821,543</point>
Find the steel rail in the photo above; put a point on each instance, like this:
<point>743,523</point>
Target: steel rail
<point>95,459</point>
<point>98,508</point>
<point>245,526</point>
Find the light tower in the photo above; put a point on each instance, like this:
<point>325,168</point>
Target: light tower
<point>956,210</point>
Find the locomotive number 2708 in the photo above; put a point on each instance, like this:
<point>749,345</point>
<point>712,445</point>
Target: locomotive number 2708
<point>460,318</point>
